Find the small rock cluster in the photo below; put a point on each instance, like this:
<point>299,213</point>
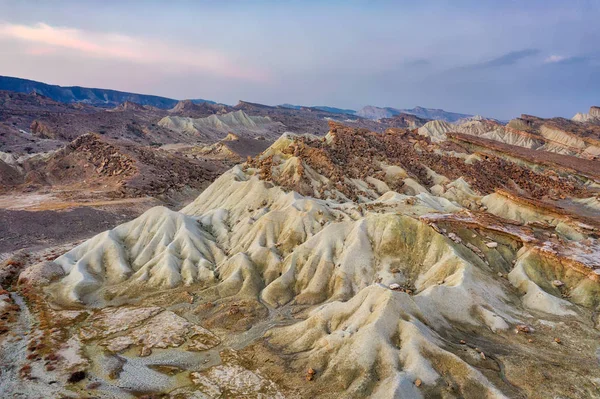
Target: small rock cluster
<point>106,159</point>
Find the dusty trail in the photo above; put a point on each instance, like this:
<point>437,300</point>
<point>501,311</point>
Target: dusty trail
<point>13,354</point>
<point>13,351</point>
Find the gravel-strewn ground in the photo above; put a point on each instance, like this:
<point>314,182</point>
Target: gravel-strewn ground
<point>28,229</point>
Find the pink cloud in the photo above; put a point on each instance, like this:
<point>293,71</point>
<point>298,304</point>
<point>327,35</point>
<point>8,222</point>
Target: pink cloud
<point>39,50</point>
<point>47,39</point>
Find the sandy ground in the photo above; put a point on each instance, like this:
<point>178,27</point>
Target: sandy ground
<point>49,202</point>
<point>40,220</point>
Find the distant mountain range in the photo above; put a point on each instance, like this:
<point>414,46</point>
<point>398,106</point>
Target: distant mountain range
<point>112,98</point>
<point>376,113</point>
<point>333,110</point>
<point>97,97</point>
<point>372,112</point>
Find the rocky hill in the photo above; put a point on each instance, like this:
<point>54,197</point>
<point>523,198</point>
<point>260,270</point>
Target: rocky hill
<point>191,109</point>
<point>216,127</point>
<point>552,135</point>
<point>92,162</point>
<point>354,265</point>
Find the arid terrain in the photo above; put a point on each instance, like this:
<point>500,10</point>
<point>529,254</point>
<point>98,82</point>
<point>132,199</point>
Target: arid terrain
<point>253,251</point>
<point>97,166</point>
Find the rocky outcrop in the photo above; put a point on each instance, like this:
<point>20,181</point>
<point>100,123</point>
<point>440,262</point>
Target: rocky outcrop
<point>404,121</point>
<point>107,159</point>
<point>184,106</point>
<point>231,137</point>
<point>130,106</point>
<point>193,109</point>
<point>40,129</point>
<point>592,116</point>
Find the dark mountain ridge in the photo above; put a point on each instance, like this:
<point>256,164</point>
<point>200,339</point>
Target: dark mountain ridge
<point>94,96</point>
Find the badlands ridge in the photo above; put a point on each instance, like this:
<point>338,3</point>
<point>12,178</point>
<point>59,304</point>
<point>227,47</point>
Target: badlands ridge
<point>406,264</point>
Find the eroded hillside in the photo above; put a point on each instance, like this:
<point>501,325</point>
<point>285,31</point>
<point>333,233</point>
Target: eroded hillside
<point>353,265</point>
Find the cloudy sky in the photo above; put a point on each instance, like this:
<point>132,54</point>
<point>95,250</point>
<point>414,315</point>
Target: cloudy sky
<point>495,58</point>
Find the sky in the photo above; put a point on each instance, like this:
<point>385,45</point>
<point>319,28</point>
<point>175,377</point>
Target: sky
<point>493,58</point>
